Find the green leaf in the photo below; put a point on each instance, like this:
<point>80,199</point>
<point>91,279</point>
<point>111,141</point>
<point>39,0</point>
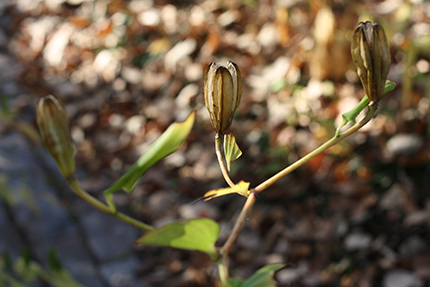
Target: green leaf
<point>54,263</point>
<point>7,262</point>
<point>231,150</point>
<point>235,282</point>
<point>166,144</point>
<point>12,282</point>
<point>349,117</point>
<point>389,86</point>
<point>240,188</point>
<point>263,277</point>
<point>27,270</point>
<point>60,278</point>
<point>195,234</point>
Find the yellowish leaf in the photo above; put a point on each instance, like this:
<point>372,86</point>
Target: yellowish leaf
<point>240,188</point>
<point>231,150</point>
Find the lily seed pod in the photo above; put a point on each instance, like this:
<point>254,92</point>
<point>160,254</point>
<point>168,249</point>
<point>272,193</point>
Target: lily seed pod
<point>54,129</point>
<point>223,91</point>
<point>370,52</point>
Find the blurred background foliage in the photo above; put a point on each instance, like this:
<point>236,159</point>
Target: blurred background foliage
<point>356,215</point>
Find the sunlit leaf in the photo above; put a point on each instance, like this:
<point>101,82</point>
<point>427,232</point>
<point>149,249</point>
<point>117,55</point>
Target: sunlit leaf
<point>263,277</point>
<point>240,188</point>
<point>195,234</point>
<point>231,149</point>
<point>166,144</point>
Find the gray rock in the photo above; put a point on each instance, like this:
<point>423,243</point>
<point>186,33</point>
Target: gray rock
<point>108,237</point>
<point>412,246</point>
<point>120,273</point>
<point>76,260</point>
<point>404,144</point>
<point>10,240</point>
<point>401,278</point>
<point>357,241</point>
<point>392,198</point>
<point>41,216</point>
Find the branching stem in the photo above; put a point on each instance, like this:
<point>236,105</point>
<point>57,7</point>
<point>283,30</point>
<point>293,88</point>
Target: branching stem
<point>239,223</point>
<point>76,187</point>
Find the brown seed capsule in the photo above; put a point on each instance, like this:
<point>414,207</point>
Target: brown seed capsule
<point>371,54</point>
<point>223,91</point>
<point>54,129</point>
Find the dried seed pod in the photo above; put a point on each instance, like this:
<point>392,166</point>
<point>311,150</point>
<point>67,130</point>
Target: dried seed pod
<point>54,129</point>
<point>223,91</point>
<point>371,54</point>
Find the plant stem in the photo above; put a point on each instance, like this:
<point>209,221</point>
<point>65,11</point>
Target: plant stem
<point>240,221</point>
<point>223,270</point>
<point>219,154</point>
<point>334,140</point>
<point>76,187</point>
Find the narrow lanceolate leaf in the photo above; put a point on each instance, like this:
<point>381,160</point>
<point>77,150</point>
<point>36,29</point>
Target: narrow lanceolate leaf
<point>262,278</point>
<point>240,188</point>
<point>195,234</point>
<point>231,150</point>
<point>166,144</point>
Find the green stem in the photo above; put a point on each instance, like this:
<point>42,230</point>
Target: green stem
<point>223,270</point>
<point>334,140</point>
<point>219,154</point>
<point>74,184</point>
<point>350,116</point>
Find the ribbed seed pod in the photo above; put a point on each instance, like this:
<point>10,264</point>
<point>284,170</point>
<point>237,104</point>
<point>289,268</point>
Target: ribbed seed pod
<point>223,91</point>
<point>371,54</point>
<point>54,129</point>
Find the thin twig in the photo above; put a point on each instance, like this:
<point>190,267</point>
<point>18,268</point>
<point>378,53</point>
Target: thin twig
<point>334,140</point>
<point>218,150</point>
<point>240,221</point>
<point>76,187</point>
